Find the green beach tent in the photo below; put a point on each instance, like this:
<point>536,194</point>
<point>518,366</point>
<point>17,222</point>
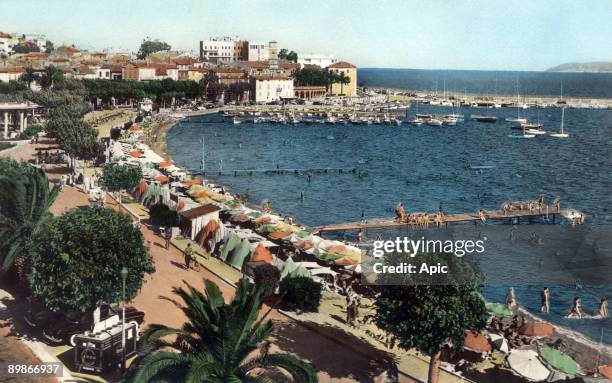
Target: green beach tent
<point>240,253</point>
<point>559,361</point>
<point>288,268</point>
<point>301,271</point>
<point>499,309</point>
<point>232,241</point>
<point>329,257</point>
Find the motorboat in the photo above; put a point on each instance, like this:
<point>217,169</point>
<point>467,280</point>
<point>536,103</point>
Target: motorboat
<point>480,118</point>
<point>536,132</point>
<point>416,122</point>
<point>451,121</point>
<point>236,120</point>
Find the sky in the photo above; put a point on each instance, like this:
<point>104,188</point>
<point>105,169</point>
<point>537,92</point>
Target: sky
<point>425,34</point>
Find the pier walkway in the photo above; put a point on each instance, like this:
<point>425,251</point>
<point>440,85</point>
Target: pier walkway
<point>424,220</point>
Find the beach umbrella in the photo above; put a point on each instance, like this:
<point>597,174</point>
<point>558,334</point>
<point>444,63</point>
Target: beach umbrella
<point>261,254</point>
<point>276,235</point>
<point>161,179</point>
<point>499,342</point>
<point>240,218</point>
<point>527,364</point>
<point>476,342</point>
<point>136,153</point>
<point>164,164</point>
<point>559,361</point>
<point>135,128</point>
<point>499,309</point>
<point>190,182</point>
<point>537,329</point>
<point>606,370</point>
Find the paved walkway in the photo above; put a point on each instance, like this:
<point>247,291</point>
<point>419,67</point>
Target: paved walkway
<point>337,355</point>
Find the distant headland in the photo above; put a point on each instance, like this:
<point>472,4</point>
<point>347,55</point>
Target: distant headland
<point>597,66</point>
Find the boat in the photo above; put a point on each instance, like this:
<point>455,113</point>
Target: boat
<point>424,116</point>
<point>236,120</point>
<point>480,118</point>
<point>433,122</point>
<point>416,122</point>
<point>397,121</point>
<point>330,120</point>
<point>458,117</point>
<point>531,125</point>
<point>518,118</point>
<point>451,121</point>
<point>561,133</point>
<point>537,132</point>
<point>524,135</point>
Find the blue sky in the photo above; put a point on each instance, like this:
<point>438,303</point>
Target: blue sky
<point>428,34</point>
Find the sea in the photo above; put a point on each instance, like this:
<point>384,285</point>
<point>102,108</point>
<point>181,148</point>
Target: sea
<point>460,168</point>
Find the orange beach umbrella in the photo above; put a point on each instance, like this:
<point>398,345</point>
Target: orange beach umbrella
<point>476,342</point>
<point>164,164</point>
<point>537,329</point>
<point>136,153</point>
<point>162,179</point>
<point>606,370</point>
<point>261,254</point>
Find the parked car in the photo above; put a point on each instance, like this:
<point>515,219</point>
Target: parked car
<point>58,327</point>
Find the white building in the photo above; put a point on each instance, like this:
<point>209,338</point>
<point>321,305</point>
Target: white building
<point>269,88</point>
<point>315,59</point>
<point>219,50</point>
<point>6,43</point>
<point>11,73</point>
<point>103,73</point>
<point>258,51</point>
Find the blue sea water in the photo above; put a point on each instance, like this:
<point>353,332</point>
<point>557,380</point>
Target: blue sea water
<point>425,167</point>
<point>592,85</point>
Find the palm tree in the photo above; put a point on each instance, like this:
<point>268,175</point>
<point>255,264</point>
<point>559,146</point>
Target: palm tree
<point>343,80</point>
<point>50,76</point>
<point>25,199</point>
<point>218,342</point>
<point>29,76</point>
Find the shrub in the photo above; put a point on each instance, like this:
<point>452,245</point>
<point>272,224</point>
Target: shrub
<point>115,133</point>
<point>162,215</point>
<point>301,293</point>
<point>31,131</point>
<point>267,276</point>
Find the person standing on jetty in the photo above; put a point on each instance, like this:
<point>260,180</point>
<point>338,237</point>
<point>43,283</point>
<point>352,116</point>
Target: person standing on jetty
<point>168,236</point>
<point>545,300</point>
<point>400,212</point>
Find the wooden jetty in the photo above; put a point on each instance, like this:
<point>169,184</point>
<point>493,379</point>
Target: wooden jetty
<point>547,211</point>
<point>251,172</point>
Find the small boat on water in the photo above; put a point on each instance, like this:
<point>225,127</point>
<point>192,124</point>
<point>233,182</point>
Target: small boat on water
<point>330,120</point>
<point>561,133</point>
<point>532,125</point>
<point>537,132</point>
<point>424,116</point>
<point>524,135</point>
<point>236,120</point>
<point>416,122</point>
<point>434,122</point>
<point>450,121</point>
<point>480,118</point>
<point>517,119</point>
<point>458,117</point>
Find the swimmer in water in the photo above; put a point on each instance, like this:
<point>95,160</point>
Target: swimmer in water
<point>603,307</point>
<point>576,310</point>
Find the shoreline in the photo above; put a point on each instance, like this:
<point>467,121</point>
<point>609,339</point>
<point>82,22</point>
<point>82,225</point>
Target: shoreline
<point>584,349</point>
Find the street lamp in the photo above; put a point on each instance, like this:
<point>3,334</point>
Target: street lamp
<point>124,274</point>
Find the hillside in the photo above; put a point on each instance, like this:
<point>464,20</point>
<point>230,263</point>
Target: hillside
<point>600,66</point>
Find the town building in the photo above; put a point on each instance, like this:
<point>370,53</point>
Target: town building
<point>218,50</point>
<point>258,51</point>
<point>11,73</point>
<point>319,60</point>
<point>196,73</point>
<point>6,43</point>
<point>268,88</point>
<point>309,92</point>
<point>229,75</point>
<point>273,50</point>
<point>348,70</point>
<point>115,70</point>
<point>241,50</point>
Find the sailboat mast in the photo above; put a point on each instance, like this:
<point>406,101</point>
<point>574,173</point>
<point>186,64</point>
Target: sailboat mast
<point>562,118</point>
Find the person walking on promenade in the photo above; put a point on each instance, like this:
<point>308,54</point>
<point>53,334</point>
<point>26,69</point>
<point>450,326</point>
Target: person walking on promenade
<point>545,300</point>
<point>603,307</point>
<point>188,252</point>
<point>168,236</point>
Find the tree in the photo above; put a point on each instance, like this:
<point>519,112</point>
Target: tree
<point>116,177</point>
<point>267,276</point>
<point>77,260</point>
<point>218,341</point>
<point>285,54</point>
<point>29,76</point>
<point>427,313</point>
<point>25,199</point>
<point>343,80</point>
<point>50,76</point>
<point>49,46</point>
<point>301,293</point>
<point>162,215</point>
<point>26,47</point>
<point>149,46</point>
